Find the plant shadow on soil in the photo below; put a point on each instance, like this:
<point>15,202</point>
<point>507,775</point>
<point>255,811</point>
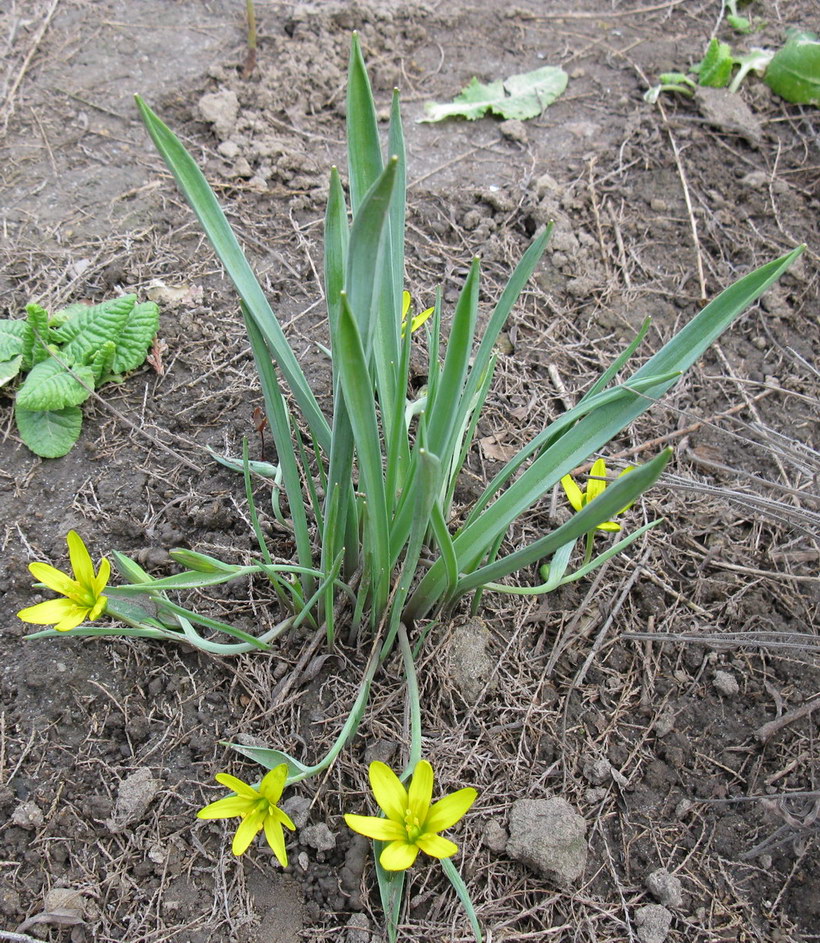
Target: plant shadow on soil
<point>90,211</point>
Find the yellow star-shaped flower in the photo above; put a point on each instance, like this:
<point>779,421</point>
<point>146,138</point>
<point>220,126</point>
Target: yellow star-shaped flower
<point>411,824</point>
<point>580,499</point>
<point>83,601</point>
<point>258,810</point>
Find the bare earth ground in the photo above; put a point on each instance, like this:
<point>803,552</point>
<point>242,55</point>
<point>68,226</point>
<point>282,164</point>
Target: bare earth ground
<point>698,788</point>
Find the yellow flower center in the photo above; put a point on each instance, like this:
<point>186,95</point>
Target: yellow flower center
<point>412,826</point>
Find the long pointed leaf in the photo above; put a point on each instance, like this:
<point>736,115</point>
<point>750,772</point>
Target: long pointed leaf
<point>201,197</point>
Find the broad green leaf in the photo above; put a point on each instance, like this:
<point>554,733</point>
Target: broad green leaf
<point>794,72</point>
<point>10,368</point>
<point>715,69</point>
<point>36,340</point>
<point>50,385</point>
<point>49,433</point>
<point>86,332</point>
<point>135,338</point>
<point>13,337</point>
<point>520,96</point>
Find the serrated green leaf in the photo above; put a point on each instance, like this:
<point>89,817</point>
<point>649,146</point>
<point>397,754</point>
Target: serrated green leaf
<point>50,386</point>
<point>37,337</point>
<point>135,339</point>
<point>521,96</point>
<point>101,362</point>
<point>13,338</point>
<point>794,72</point>
<point>86,332</point>
<point>10,368</point>
<point>49,433</point>
<point>715,69</point>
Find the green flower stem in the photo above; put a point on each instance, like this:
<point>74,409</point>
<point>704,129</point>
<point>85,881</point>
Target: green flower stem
<point>463,895</point>
<point>351,724</point>
<point>413,700</point>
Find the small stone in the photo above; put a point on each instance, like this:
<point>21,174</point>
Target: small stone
<point>242,168</point>
<point>318,836</point>
<point>755,180</point>
<point>28,815</point>
<point>725,683</point>
<point>514,130</point>
<point>597,770</point>
<point>229,150</point>
<point>470,667</point>
<point>221,110</point>
<point>495,837</point>
<point>297,807</point>
<point>653,923</point>
<point>134,795</point>
<point>545,184</point>
<point>664,724</point>
<point>548,835</point>
<point>358,929</point>
<point>665,888</point>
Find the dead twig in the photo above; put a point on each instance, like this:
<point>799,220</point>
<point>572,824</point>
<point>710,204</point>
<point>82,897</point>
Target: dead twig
<point>767,731</point>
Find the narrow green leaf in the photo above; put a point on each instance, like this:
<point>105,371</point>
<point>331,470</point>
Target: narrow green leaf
<point>358,394</point>
<point>268,758</point>
<point>443,408</point>
<point>365,254</point>
<point>463,895</point>
<point>611,502</point>
<point>280,425</point>
<point>204,203</point>
<point>363,148</point>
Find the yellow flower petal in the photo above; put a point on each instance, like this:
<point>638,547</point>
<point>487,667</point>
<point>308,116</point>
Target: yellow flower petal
<point>436,846</point>
<point>420,792</point>
<point>449,810</point>
<point>388,790</point>
<point>273,784</point>
<point>374,827</point>
<point>594,485</point>
<point>237,786</point>
<point>103,576</point>
<point>419,319</point>
<point>282,817</point>
<point>80,559</point>
<point>573,492</point>
<point>398,856</point>
<point>247,831</point>
<point>72,619</point>
<point>49,612</point>
<point>609,526</point>
<point>98,609</point>
<point>226,808</point>
<point>54,579</point>
<point>276,839</point>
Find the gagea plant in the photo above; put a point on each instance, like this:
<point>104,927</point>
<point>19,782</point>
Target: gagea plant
<point>369,485</point>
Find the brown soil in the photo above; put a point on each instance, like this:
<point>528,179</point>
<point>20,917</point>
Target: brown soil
<point>728,584</point>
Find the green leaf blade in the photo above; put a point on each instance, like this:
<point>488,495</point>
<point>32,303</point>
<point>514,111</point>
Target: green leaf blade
<point>49,433</point>
<point>50,385</point>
